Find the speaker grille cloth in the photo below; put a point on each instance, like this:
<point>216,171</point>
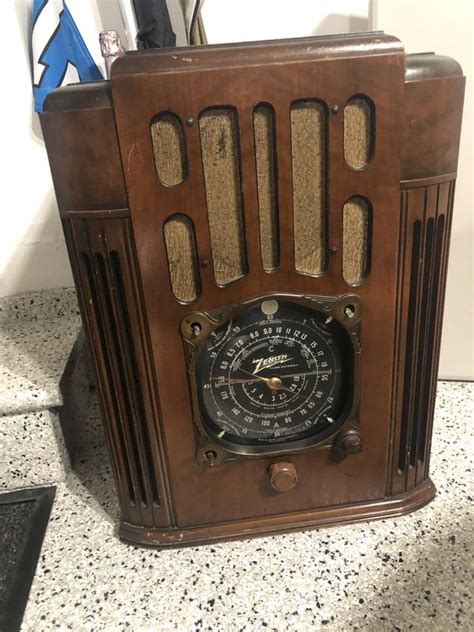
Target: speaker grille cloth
<point>169,148</point>
<point>358,132</point>
<point>309,156</point>
<point>356,222</point>
<point>182,257</point>
<point>220,152</point>
<point>264,130</point>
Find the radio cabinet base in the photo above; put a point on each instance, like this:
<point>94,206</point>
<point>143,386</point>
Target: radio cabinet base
<point>283,523</point>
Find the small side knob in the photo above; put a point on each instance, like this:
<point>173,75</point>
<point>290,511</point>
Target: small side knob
<point>283,476</point>
<point>350,442</point>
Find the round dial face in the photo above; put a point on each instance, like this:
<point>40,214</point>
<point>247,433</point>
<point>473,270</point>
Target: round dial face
<point>275,373</point>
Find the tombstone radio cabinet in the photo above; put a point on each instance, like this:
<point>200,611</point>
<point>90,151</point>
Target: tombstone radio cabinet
<point>259,239</point>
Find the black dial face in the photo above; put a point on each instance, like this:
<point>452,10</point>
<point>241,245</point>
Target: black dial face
<point>275,373</point>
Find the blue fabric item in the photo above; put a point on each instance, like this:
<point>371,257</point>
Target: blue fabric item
<point>54,52</point>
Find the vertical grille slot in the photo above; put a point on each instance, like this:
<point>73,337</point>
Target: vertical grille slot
<point>309,159</point>
<point>106,351</point>
<point>220,151</point>
<point>359,131</point>
<point>265,162</point>
<point>181,251</point>
<point>116,348</point>
<point>410,349</point>
<point>169,148</point>
<point>357,223</point>
<point>110,301</point>
<point>420,373</point>
<point>423,315</point>
<point>430,336</point>
<point>133,380</point>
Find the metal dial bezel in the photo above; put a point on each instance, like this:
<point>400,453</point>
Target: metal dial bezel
<point>197,326</point>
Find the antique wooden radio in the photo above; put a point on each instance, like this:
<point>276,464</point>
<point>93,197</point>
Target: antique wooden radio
<point>259,238</point>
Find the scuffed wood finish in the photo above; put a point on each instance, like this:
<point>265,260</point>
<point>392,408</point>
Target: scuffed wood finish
<point>427,216</point>
<point>270,525</point>
<point>114,210</point>
<point>242,487</point>
<point>103,257</point>
<point>84,159</point>
<point>432,119</point>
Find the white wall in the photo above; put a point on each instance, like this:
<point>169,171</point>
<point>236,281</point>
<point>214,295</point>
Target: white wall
<point>447,28</point>
<point>251,20</point>
<point>32,251</point>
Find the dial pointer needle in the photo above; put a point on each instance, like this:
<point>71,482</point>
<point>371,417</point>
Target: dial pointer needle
<point>256,377</point>
<point>273,383</point>
<point>270,382</point>
<point>235,380</point>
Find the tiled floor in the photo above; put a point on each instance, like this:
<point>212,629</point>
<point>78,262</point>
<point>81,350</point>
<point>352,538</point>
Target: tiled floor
<point>411,573</point>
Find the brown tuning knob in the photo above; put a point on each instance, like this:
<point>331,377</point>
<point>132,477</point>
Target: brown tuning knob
<point>283,476</point>
<point>350,442</point>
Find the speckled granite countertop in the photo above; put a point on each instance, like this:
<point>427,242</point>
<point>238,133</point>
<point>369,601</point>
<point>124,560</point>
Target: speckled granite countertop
<point>37,333</point>
<point>33,357</point>
<point>410,573</point>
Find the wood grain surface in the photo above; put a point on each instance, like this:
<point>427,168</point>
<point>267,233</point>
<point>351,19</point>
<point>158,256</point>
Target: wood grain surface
<point>240,198</point>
